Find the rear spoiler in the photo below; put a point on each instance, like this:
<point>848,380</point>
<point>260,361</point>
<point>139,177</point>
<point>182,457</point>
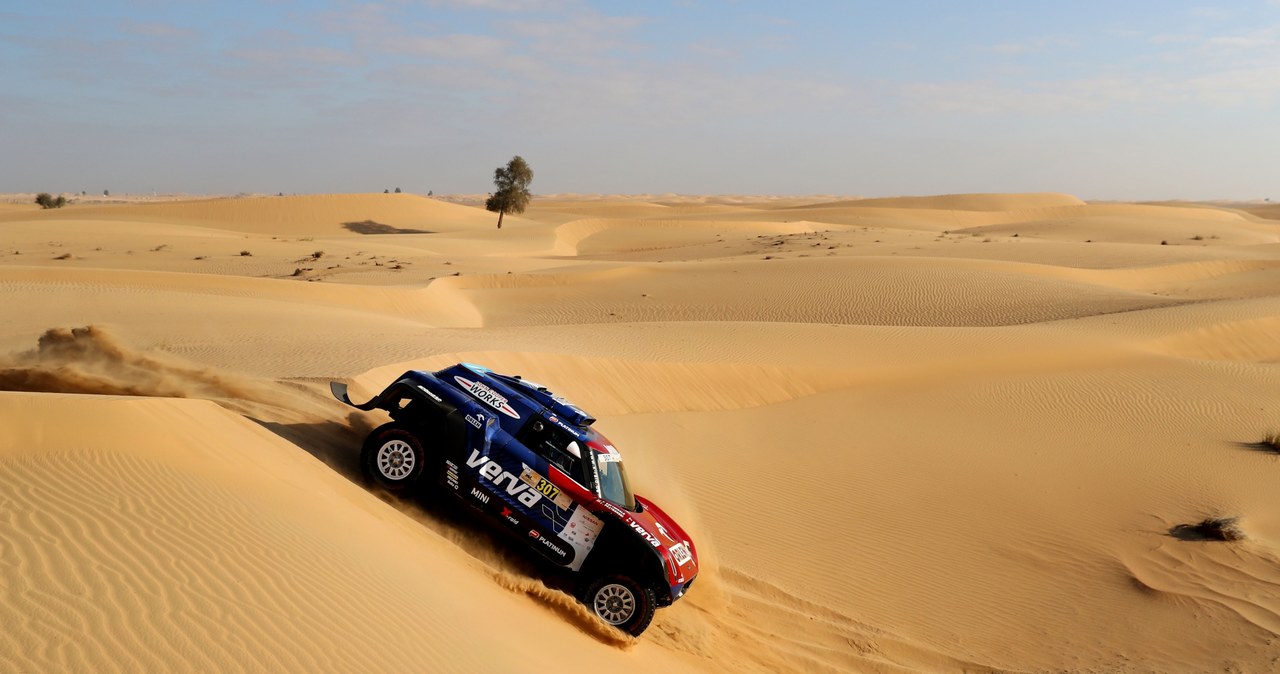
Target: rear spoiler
<point>339,391</point>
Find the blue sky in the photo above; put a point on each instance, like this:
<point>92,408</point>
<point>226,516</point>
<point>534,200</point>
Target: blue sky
<point>1139,99</point>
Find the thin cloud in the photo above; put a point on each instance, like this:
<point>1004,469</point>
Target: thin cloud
<point>455,47</point>
<point>1223,88</point>
<point>156,29</point>
<point>513,6</point>
<point>1029,46</point>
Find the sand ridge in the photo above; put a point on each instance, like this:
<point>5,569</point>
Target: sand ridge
<point>915,434</point>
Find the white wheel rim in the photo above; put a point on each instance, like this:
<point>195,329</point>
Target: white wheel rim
<point>615,604</point>
<point>396,460</point>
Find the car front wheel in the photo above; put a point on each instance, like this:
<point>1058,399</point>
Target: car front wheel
<point>622,602</point>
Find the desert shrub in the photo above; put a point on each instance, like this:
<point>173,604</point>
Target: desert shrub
<point>1271,441</point>
<point>397,190</point>
<point>318,254</point>
<point>47,200</point>
<point>1209,529</point>
<point>245,253</point>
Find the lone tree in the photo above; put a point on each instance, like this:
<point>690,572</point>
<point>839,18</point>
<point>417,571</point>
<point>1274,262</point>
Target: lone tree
<point>512,194</point>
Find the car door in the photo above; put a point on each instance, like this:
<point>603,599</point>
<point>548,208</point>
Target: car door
<point>556,472</point>
<point>507,483</point>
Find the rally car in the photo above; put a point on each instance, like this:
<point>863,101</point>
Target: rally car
<point>530,461</point>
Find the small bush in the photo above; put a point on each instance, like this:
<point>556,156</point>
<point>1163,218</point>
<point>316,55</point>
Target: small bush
<point>318,254</point>
<point>1209,529</point>
<point>47,200</point>
<point>1271,441</point>
<point>1197,237</point>
<point>245,253</point>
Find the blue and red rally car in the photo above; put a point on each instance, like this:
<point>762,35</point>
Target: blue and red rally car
<point>530,461</point>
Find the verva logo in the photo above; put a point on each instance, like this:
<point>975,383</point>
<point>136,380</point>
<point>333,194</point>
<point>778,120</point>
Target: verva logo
<point>492,471</point>
<point>488,396</point>
<point>635,526</point>
<point>653,540</point>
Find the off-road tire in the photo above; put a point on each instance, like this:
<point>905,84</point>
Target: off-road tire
<point>621,601</point>
<point>393,458</point>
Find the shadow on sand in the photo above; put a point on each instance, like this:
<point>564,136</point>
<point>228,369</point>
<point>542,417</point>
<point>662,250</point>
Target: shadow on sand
<point>371,227</point>
<point>1263,447</point>
<point>335,443</point>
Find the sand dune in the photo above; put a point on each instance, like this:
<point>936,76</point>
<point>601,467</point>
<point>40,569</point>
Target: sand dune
<point>963,202</point>
<point>917,434</point>
<point>322,214</point>
<point>924,292</point>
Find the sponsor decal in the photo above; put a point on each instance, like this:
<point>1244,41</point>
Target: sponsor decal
<point>560,552</point>
<point>429,393</point>
<point>570,429</point>
<point>653,540</point>
<point>622,514</point>
<point>492,471</point>
<point>540,484</point>
<point>479,495</point>
<point>662,530</point>
<point>477,420</point>
<point>488,396</point>
<point>508,515</point>
<point>451,474</point>
<point>595,471</point>
<point>582,529</point>
<point>680,551</point>
<point>635,526</point>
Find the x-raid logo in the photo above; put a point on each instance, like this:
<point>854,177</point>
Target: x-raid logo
<point>488,396</point>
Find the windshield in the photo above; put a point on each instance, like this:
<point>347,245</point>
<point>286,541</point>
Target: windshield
<point>613,480</point>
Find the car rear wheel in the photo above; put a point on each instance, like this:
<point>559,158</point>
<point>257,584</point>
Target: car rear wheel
<point>622,602</point>
<point>393,458</point>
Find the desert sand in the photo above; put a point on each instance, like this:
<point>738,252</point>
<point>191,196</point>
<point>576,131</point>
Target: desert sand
<point>938,434</point>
